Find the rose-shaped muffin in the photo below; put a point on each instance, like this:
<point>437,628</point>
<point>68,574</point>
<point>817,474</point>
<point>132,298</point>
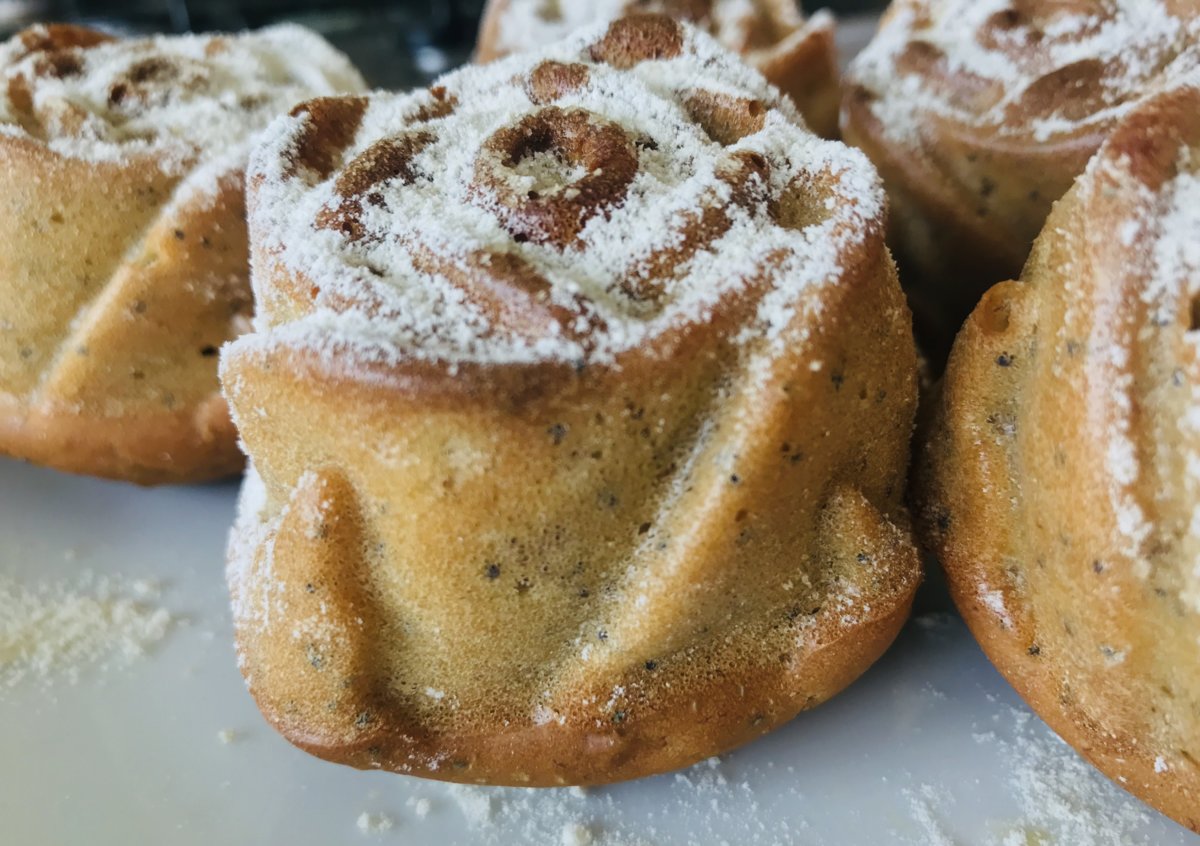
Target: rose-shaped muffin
<point>1062,481</point>
<point>579,403</point>
<point>124,263</point>
<point>794,53</point>
<point>979,114</point>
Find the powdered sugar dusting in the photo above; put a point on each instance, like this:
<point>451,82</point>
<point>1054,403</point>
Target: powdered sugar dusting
<point>53,630</point>
<point>1121,454</point>
<point>379,298</point>
<point>1145,397</point>
<point>249,533</point>
<point>1176,280</point>
<point>991,64</point>
<point>1177,253</point>
<point>369,823</point>
<point>1062,798</point>
<point>171,97</point>
<point>737,24</point>
<point>993,600</point>
<point>530,23</point>
<point>923,803</point>
<point>257,594</point>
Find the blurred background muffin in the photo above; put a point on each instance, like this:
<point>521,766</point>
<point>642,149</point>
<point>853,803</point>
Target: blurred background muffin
<point>396,43</point>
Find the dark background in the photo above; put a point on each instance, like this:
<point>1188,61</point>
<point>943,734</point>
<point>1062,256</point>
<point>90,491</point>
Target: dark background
<point>396,44</point>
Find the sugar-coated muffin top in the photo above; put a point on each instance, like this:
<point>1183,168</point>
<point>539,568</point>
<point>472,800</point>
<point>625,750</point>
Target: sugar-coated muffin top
<point>567,204</point>
<point>89,95</point>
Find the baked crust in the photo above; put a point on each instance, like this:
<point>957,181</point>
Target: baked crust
<point>796,54</point>
<point>124,261</point>
<point>1057,486</point>
<point>980,116</point>
<point>116,377</point>
<point>581,567</point>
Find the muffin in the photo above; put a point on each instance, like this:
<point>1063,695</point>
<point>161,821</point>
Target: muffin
<point>579,402</point>
<point>1060,485</point>
<point>124,258</point>
<point>979,115</point>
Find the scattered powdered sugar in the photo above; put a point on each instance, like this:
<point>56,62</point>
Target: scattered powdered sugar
<point>985,64</point>
<point>172,97</point>
<point>1058,797</point>
<point>1062,798</point>
<point>546,174</point>
<point>475,803</point>
<point>52,630</point>
<point>576,817</point>
<point>1128,232</point>
<point>378,297</point>
<point>374,823</point>
<point>1121,454</point>
<point>574,834</point>
<point>922,806</point>
<point>527,24</point>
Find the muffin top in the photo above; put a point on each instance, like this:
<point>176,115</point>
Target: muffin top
<point>736,24</point>
<point>1021,68</point>
<point>88,95</point>
<point>565,205</point>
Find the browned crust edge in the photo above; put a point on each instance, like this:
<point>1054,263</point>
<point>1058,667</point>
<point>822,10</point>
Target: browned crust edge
<point>689,724</point>
<point>160,447</point>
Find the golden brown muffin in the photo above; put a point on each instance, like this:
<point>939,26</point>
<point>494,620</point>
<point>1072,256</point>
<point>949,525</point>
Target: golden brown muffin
<point>979,114</point>
<point>123,251</point>
<point>796,54</point>
<point>579,400</point>
<point>1062,481</point>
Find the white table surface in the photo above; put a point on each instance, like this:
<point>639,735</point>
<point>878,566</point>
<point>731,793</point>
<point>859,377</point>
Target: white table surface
<point>930,747</point>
